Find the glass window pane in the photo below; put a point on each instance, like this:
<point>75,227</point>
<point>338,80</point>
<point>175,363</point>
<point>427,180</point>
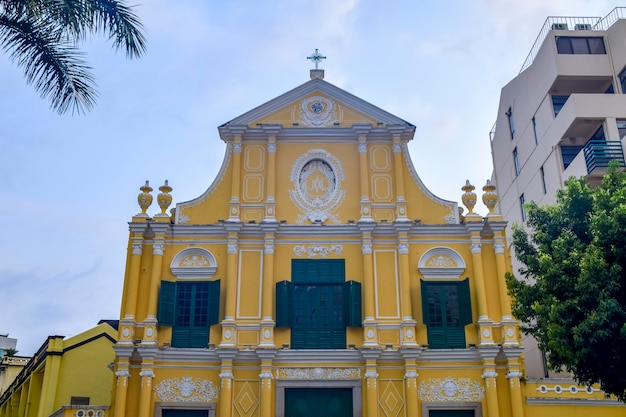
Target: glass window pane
<point>579,45</point>
<point>596,46</point>
<point>563,45</point>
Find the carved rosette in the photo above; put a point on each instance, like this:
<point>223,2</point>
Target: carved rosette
<point>450,389</point>
<point>317,111</point>
<point>186,389</point>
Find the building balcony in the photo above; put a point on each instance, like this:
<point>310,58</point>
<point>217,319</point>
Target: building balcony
<point>598,154</point>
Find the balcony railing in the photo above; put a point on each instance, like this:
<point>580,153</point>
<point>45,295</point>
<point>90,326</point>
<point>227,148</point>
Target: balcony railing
<point>572,23</point>
<point>598,154</point>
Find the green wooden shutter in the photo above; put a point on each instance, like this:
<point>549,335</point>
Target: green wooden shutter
<point>167,303</point>
<point>424,288</point>
<point>352,296</point>
<point>214,302</point>
<point>465,302</point>
<point>284,303</point>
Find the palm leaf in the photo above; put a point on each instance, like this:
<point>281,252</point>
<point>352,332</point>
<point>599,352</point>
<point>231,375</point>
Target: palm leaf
<point>55,67</point>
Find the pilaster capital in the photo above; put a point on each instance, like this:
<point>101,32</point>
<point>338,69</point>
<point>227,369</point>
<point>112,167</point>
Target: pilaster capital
<point>513,374</point>
<point>475,248</point>
<point>146,373</point>
<point>371,373</point>
<point>122,373</point>
<point>489,374</point>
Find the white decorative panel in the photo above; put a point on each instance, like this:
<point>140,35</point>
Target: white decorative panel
<point>381,188</point>
<point>441,262</point>
<point>253,188</point>
<point>386,284</point>
<point>450,389</point>
<point>186,389</point>
<point>380,160</point>
<point>254,160</point>
<point>194,263</point>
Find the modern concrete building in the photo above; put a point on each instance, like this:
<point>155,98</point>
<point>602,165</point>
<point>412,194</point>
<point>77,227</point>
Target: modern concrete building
<point>563,115</point>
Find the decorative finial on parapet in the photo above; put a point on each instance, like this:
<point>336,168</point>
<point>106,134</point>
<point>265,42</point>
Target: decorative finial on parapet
<point>144,199</point>
<point>164,199</point>
<point>490,197</point>
<point>468,197</point>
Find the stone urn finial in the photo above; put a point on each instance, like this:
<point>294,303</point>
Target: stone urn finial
<point>490,197</point>
<point>468,197</point>
<point>144,198</point>
<point>164,198</point>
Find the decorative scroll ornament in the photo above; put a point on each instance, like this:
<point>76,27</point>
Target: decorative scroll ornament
<point>441,261</point>
<point>186,389</point>
<point>194,263</point>
<point>317,111</point>
<point>318,251</point>
<point>318,373</point>
<point>317,177</point>
<point>450,389</point>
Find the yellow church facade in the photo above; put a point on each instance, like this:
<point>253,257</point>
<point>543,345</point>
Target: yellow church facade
<point>317,275</point>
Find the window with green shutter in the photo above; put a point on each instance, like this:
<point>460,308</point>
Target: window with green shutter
<point>318,304</point>
<point>191,308</point>
<point>446,307</point>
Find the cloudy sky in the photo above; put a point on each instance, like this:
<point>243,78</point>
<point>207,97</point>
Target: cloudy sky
<point>68,184</point>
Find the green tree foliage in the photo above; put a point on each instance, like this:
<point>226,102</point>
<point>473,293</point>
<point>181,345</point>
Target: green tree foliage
<point>42,37</point>
<point>572,293</point>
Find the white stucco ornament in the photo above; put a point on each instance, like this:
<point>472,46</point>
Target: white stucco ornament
<point>450,389</point>
<point>186,389</point>
<point>317,111</point>
<point>317,177</point>
<point>318,373</point>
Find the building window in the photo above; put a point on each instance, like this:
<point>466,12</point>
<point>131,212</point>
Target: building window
<point>584,45</point>
<point>509,116</point>
<point>516,162</point>
<point>446,307</point>
<point>535,131</point>
<point>557,103</point>
<point>191,308</point>
<point>543,179</point>
<point>318,304</point>
<point>79,400</point>
<point>568,154</point>
<point>622,80</point>
<point>522,203</point>
<point>621,127</point>
<point>184,413</point>
<point>451,413</point>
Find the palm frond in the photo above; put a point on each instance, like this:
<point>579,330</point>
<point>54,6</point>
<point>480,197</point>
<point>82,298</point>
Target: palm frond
<point>54,67</point>
<point>120,23</point>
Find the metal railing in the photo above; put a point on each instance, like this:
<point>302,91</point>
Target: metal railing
<point>598,154</point>
<point>572,23</point>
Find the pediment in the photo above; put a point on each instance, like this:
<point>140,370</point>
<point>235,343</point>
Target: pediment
<point>316,104</point>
